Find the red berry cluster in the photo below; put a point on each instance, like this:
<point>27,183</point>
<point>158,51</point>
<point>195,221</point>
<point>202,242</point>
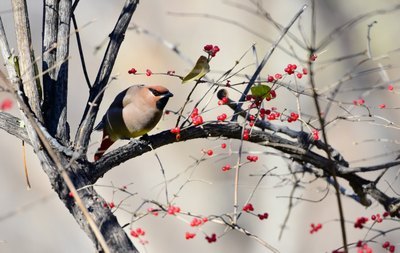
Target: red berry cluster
<point>110,204</point>
<point>248,207</point>
<point>363,247</point>
<point>388,246</point>
<point>196,118</point>
<point>377,218</point>
<point>222,117</point>
<point>263,216</point>
<point>272,114</point>
<point>173,210</point>
<point>360,222</point>
<point>290,68</point>
<point>137,232</point>
<point>189,235</point>
<point>177,132</point>
<point>226,167</point>
<point>246,134</point>
<point>252,158</point>
<point>6,104</point>
<point>223,101</point>
<point>293,117</point>
<point>315,135</point>
<point>132,71</point>
<point>198,222</point>
<point>211,50</point>
<point>212,238</point>
<point>359,101</point>
<point>315,228</point>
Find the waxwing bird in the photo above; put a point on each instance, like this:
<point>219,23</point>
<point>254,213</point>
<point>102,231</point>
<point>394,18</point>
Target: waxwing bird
<point>134,112</point>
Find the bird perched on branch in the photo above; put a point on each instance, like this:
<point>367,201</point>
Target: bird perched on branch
<point>134,112</point>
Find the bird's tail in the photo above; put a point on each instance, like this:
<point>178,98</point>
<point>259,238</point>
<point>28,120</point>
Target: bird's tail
<point>105,144</point>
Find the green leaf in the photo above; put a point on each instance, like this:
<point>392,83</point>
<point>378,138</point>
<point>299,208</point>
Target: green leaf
<point>199,70</point>
<point>261,91</point>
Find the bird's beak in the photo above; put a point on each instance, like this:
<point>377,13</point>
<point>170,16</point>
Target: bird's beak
<point>162,102</point>
<point>168,95</point>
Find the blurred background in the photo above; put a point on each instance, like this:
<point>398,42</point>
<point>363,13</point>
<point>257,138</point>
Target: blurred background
<point>36,221</point>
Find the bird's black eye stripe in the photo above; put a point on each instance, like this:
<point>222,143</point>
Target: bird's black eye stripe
<point>156,92</point>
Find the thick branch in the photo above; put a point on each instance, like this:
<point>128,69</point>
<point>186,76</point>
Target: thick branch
<point>13,126</point>
<point>96,93</point>
<point>26,56</point>
<point>233,131</point>
<point>49,61</point>
<point>61,88</point>
<point>65,175</point>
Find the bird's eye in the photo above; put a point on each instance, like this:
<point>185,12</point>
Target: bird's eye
<point>155,92</point>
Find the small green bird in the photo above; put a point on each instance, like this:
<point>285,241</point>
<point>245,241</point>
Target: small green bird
<point>199,70</point>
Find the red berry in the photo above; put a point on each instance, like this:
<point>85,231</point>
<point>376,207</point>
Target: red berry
<point>208,47</point>
<point>140,231</point>
<point>176,130</point>
<point>390,87</point>
<point>132,71</point>
<point>248,208</point>
<point>305,71</point>
<point>299,75</point>
<point>313,57</point>
<point>392,248</point>
<point>226,167</point>
<point>134,234</point>
<point>270,79</point>
<point>212,238</point>
<point>197,120</point>
<point>278,76</point>
<point>222,117</point>
<point>148,72</point>
<point>6,104</point>
<point>386,244</point>
<point>273,93</point>
<point>223,145</point>
<point>189,235</point>
<point>382,106</point>
<point>210,152</point>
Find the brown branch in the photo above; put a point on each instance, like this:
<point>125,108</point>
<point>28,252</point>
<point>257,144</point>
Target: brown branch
<point>136,148</point>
